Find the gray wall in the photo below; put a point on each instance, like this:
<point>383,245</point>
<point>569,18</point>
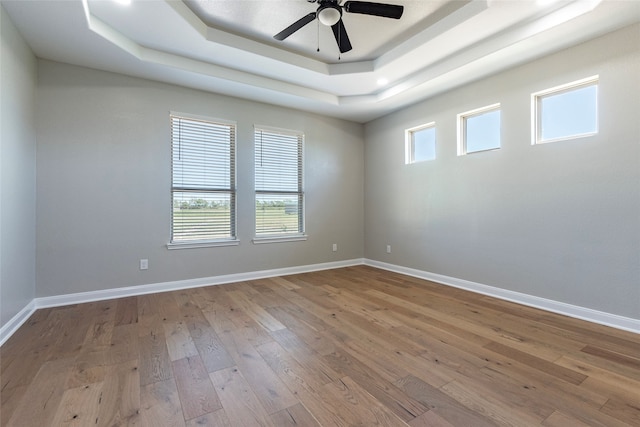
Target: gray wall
<point>104,180</point>
<point>18,79</point>
<point>558,221</point>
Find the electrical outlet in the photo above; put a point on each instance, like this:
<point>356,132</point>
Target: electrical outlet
<point>144,264</point>
<point>388,249</point>
<point>335,247</point>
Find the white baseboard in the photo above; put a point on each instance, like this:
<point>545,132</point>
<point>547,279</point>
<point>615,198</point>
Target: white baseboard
<point>594,316</point>
<point>16,321</point>
<point>603,318</point>
<point>77,298</point>
<point>106,294</point>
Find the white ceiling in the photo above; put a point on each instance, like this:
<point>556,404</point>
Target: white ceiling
<point>227,46</point>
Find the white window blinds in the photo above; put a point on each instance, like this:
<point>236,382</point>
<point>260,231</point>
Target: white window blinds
<point>203,180</point>
<point>278,182</point>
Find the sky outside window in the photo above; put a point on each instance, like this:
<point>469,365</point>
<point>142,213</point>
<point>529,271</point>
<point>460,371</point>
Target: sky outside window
<point>482,131</point>
<point>424,144</point>
<point>570,113</point>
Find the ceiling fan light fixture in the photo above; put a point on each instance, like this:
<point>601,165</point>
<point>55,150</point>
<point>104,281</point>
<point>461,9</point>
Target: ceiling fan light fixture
<point>329,16</point>
<point>329,13</point>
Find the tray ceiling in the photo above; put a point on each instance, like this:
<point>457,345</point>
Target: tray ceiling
<point>227,46</point>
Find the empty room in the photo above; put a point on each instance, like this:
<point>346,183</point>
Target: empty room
<point>320,213</point>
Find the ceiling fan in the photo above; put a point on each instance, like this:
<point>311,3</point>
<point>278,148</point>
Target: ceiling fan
<point>329,13</point>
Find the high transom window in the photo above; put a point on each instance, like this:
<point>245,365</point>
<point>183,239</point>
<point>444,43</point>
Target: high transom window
<point>420,143</point>
<point>565,112</point>
<point>479,130</point>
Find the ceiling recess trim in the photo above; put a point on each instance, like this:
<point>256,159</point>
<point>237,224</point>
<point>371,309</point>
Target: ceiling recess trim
<point>158,57</point>
<point>294,80</point>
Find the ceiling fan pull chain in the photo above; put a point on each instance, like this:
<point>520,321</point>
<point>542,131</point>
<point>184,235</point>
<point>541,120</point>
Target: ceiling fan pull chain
<point>339,49</point>
<point>318,35</point>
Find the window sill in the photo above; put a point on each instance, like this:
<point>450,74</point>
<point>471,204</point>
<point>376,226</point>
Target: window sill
<point>564,138</point>
<point>210,244</point>
<point>279,239</point>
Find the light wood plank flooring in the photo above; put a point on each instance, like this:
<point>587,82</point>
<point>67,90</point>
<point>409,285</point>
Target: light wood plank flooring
<point>348,347</point>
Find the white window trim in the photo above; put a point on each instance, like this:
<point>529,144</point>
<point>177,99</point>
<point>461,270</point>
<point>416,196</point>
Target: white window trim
<point>409,151</point>
<point>462,146</point>
<point>283,131</point>
<point>234,241</point>
<point>279,239</point>
<point>203,244</point>
<point>536,124</point>
<point>204,118</point>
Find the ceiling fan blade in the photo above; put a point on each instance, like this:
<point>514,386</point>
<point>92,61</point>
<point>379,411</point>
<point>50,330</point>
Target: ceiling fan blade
<point>377,9</point>
<point>341,37</point>
<point>295,26</point>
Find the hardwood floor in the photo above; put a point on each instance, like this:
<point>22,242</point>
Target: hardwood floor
<point>346,347</point>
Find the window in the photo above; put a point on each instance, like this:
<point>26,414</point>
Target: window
<point>479,130</point>
<point>278,183</point>
<point>203,181</point>
<point>565,112</point>
<point>420,143</point>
